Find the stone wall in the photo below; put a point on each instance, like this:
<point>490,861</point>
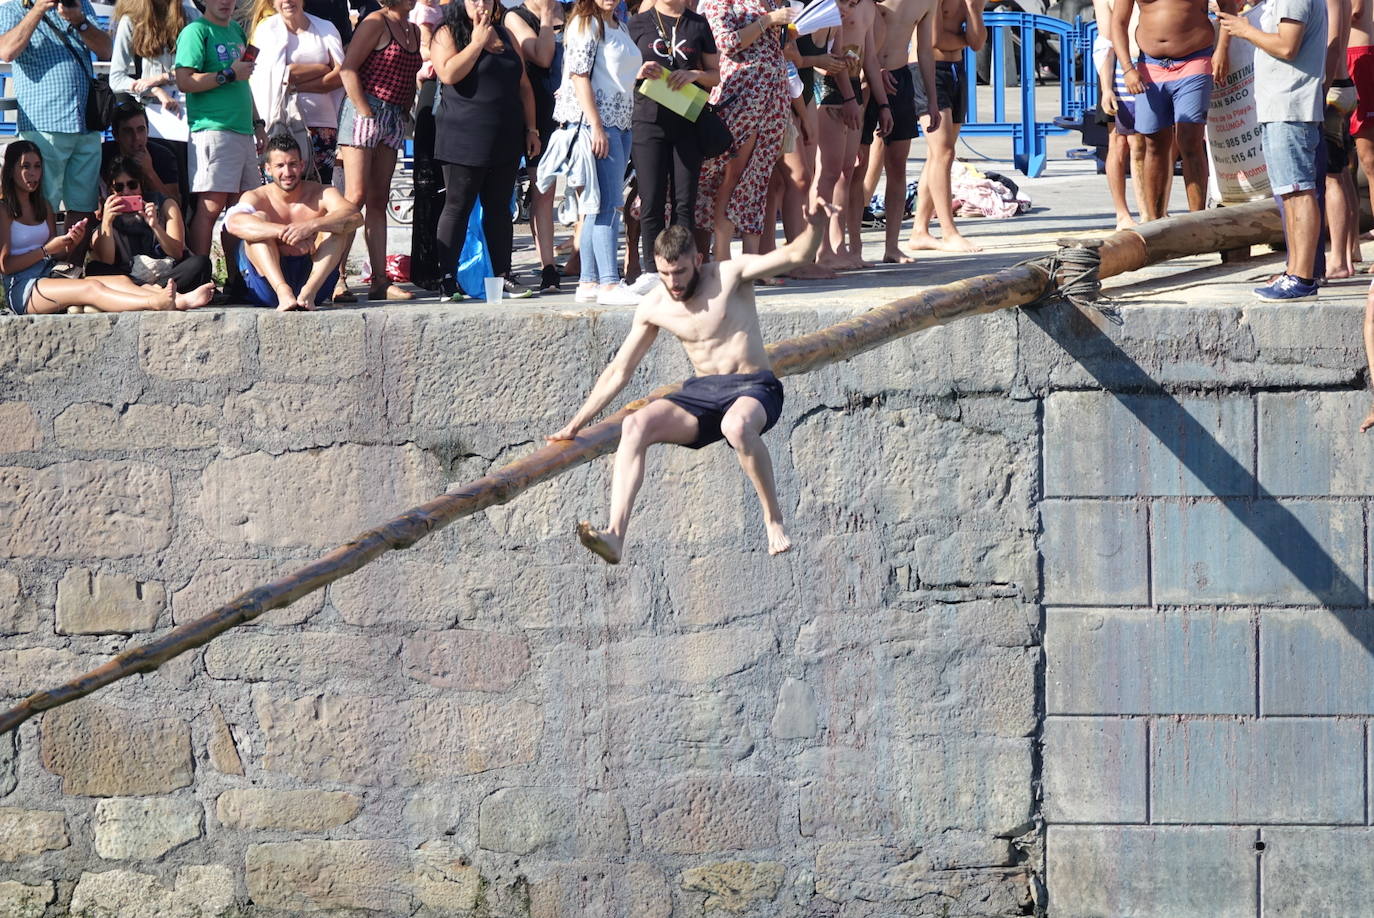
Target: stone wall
<point>495,724</point>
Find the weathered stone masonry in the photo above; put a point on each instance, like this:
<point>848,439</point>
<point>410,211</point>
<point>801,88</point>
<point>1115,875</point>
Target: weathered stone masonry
<point>494,724</point>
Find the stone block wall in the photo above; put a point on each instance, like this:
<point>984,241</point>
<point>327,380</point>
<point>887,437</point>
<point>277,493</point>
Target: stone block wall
<point>1077,624</point>
<point>494,723</point>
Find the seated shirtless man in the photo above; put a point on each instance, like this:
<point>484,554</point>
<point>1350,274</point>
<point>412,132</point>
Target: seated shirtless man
<point>1172,85</point>
<point>297,232</point>
<point>735,396</point>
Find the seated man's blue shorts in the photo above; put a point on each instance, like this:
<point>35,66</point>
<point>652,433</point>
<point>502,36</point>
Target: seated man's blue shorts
<point>296,270</point>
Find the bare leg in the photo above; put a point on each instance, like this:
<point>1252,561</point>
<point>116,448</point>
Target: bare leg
<point>266,259</point>
<point>724,228</point>
<point>1136,144</point>
<point>894,200</point>
<point>877,158</point>
<point>1302,228</point>
<point>328,255</point>
<point>1117,153</point>
<point>834,146</point>
<point>380,167</point>
<point>1192,147</point>
<point>1157,173</point>
<point>934,197</point>
<point>119,283</point>
<point>857,201</point>
<point>541,220</point>
<point>212,203</point>
<point>801,177</point>
<point>1342,231</point>
<point>743,427</point>
<point>55,294</point>
<point>657,422</point>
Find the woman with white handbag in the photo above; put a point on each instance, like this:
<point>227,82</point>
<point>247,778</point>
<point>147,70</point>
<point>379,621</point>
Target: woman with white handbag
<point>296,85</point>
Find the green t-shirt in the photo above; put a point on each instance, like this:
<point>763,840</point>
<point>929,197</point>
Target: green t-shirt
<point>209,48</point>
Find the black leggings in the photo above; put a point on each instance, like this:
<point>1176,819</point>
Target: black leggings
<point>664,160</point>
<point>494,185</point>
<point>189,273</point>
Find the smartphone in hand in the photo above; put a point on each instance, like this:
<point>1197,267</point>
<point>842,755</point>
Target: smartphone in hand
<point>250,54</point>
<point>134,202</point>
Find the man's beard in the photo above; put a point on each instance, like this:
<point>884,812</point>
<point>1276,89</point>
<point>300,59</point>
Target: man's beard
<point>691,287</point>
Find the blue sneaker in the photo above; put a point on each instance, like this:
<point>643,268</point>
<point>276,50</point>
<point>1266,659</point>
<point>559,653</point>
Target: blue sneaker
<point>1287,289</point>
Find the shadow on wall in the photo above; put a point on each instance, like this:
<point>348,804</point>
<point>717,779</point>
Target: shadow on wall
<point>1273,525</point>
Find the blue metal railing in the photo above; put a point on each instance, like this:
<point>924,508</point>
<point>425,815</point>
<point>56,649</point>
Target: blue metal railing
<point>1076,96</point>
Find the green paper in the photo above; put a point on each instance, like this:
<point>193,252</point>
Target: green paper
<point>687,101</point>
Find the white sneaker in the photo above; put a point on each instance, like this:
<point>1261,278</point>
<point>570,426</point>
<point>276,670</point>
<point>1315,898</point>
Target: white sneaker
<point>619,295</point>
<point>646,283</point>
<point>586,293</point>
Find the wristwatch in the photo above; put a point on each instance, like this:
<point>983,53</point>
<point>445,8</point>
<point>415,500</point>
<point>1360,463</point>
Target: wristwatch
<point>83,25</point>
<point>227,75</point>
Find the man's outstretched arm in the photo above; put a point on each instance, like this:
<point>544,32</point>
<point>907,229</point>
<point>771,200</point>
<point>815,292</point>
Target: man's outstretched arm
<point>798,252</point>
<point>614,377</point>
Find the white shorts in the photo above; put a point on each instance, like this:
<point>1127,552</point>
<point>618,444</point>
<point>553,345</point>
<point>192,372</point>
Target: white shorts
<point>224,161</point>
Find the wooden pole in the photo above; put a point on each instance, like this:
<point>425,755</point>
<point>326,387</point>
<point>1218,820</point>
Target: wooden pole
<point>1129,250</point>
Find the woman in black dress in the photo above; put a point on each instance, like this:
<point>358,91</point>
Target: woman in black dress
<point>538,27</point>
<point>485,123</point>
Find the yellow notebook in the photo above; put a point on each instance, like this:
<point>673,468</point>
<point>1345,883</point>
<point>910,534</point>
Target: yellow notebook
<point>687,101</point>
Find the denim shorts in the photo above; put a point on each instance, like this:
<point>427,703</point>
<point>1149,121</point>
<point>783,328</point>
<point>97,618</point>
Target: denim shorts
<point>1290,153</point>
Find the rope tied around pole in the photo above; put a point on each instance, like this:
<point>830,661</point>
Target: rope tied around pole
<point>1073,277</point>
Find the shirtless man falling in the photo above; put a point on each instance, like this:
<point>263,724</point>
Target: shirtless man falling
<point>296,232</point>
<point>959,25</point>
<point>902,18</point>
<point>1172,85</point>
<point>710,309</point>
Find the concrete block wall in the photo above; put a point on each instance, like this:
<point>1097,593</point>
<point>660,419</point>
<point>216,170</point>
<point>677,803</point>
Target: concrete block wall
<point>1207,652</point>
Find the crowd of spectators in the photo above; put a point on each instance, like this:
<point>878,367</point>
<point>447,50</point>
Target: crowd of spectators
<point>195,91</point>
<point>486,90</point>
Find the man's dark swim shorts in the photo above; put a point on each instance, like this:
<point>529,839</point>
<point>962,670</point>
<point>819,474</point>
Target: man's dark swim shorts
<point>707,398</point>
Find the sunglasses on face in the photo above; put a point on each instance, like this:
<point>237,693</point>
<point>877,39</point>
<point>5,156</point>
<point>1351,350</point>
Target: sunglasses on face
<point>121,187</point>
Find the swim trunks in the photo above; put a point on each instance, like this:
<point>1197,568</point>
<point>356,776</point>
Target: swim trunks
<point>1177,91</point>
<point>1361,63</point>
<point>949,89</point>
<point>294,268</point>
<point>830,90</point>
<point>901,102</point>
<point>707,398</point>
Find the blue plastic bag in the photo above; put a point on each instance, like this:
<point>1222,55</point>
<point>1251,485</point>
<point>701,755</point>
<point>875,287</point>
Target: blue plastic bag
<point>474,262</point>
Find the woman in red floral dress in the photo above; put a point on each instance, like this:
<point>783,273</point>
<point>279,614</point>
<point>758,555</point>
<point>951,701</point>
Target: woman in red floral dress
<point>753,101</point>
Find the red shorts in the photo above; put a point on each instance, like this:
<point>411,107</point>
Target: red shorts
<point>1361,62</point>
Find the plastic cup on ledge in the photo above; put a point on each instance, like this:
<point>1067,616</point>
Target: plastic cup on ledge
<point>492,287</point>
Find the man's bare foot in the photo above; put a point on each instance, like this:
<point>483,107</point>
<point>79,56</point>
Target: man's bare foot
<point>831,262</point>
<point>286,298</point>
<point>1340,273</point>
<point>811,272</point>
<point>1368,421</point>
<point>1125,221</point>
<point>201,296</point>
<point>306,300</point>
<point>897,257</point>
<point>602,544</point>
<point>778,542</point>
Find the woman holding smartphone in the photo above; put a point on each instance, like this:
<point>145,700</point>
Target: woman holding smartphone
<point>29,244</point>
<point>141,231</point>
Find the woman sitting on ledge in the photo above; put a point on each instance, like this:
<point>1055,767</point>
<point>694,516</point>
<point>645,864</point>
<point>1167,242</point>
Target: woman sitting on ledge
<point>142,234</point>
<point>28,245</point>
